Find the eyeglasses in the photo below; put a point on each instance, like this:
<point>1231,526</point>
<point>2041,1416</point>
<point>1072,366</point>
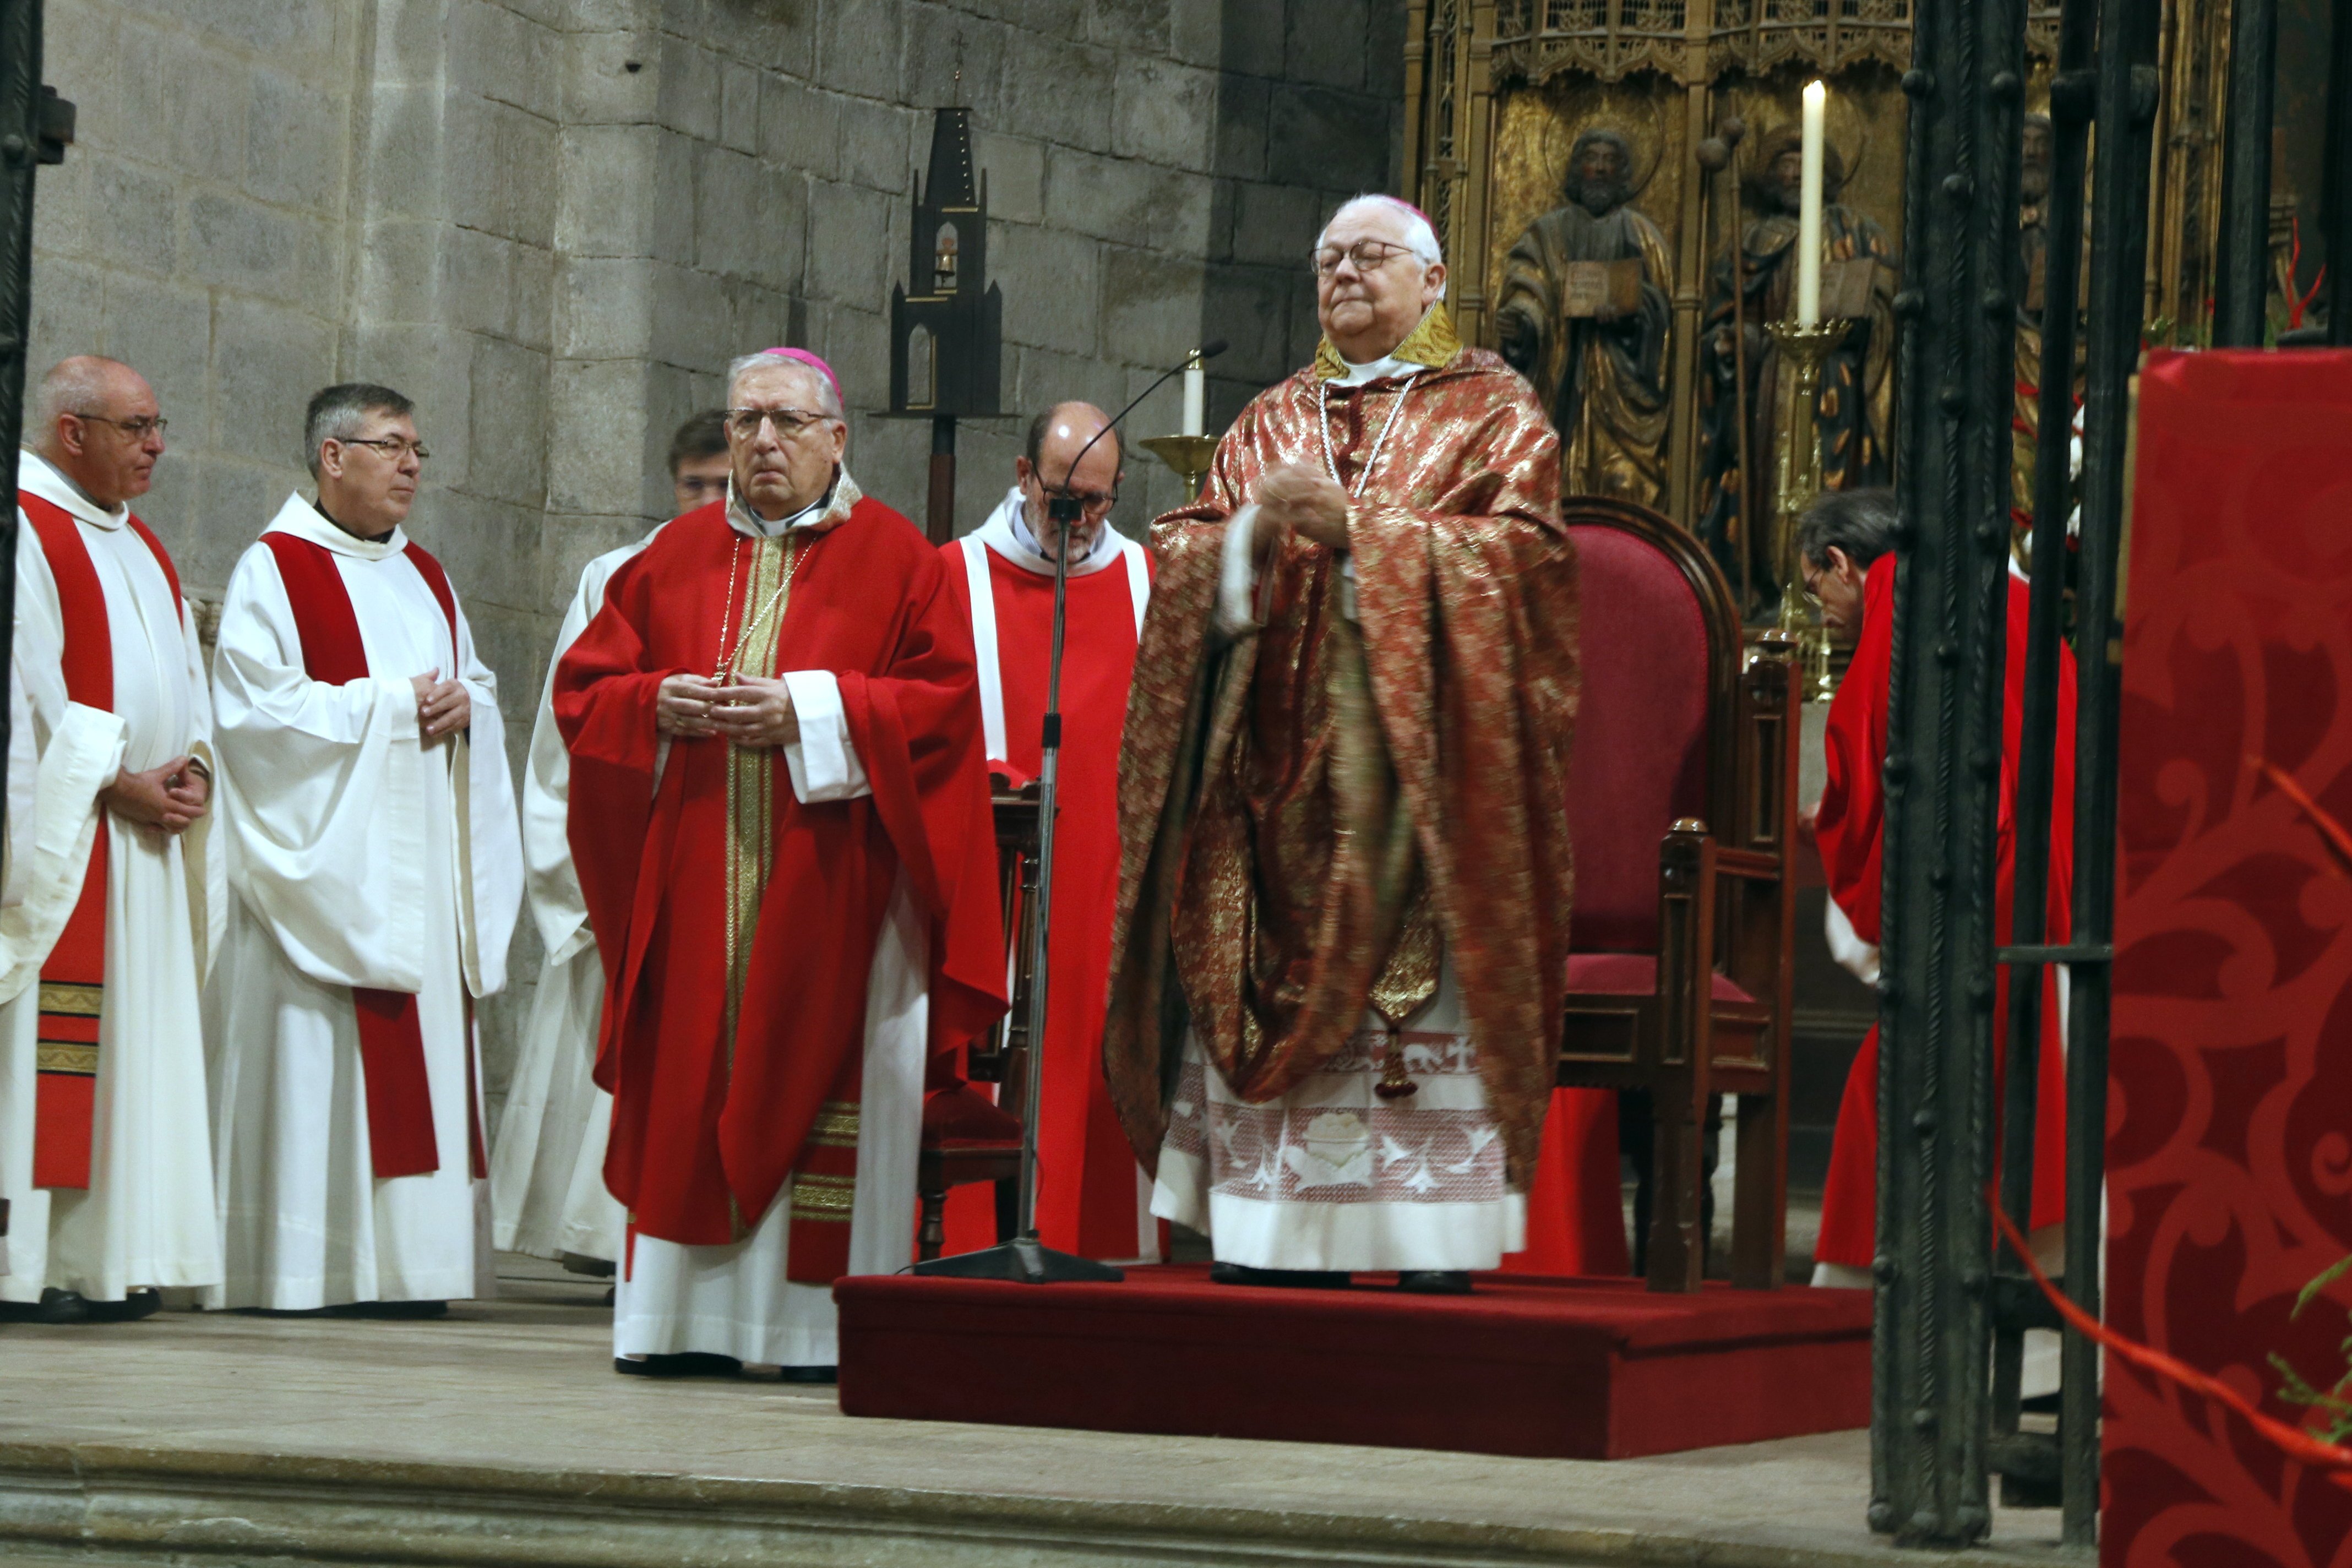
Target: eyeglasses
<point>392,447</point>
<point>1093,503</point>
<point>1369,254</point>
<point>137,429</point>
<point>743,424</point>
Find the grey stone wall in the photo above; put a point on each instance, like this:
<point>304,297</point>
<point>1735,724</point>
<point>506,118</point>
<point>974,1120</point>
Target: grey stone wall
<point>552,222</point>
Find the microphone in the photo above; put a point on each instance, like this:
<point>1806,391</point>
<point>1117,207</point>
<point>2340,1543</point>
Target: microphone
<point>1064,507</point>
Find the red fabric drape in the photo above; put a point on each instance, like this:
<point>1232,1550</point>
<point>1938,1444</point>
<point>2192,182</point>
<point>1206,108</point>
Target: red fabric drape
<point>392,1038</point>
<point>707,1130</point>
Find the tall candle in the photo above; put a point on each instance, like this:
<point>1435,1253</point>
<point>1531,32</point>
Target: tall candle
<point>1809,213</point>
<point>1196,396</point>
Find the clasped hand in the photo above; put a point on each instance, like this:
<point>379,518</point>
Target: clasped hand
<point>443,707</point>
<point>1301,500</point>
<point>171,797</point>
<point>753,711</point>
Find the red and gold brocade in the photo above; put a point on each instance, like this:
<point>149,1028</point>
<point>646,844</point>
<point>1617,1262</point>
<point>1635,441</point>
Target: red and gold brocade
<point>1310,812</point>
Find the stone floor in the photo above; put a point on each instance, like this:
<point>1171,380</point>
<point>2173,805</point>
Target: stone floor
<point>499,1434</point>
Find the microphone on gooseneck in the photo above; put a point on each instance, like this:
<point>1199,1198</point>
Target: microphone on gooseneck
<point>1064,507</point>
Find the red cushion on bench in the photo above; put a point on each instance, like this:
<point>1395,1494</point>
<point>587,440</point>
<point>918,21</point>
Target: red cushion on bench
<point>1633,975</point>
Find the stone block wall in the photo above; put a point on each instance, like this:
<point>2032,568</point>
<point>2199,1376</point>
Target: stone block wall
<point>552,222</point>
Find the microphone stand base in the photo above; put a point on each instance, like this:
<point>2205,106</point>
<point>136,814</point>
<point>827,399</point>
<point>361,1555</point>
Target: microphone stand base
<point>1024,1261</point>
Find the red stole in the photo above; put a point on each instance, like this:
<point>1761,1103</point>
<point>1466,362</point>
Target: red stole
<point>708,1128</point>
<point>73,981</point>
<point>392,1039</point>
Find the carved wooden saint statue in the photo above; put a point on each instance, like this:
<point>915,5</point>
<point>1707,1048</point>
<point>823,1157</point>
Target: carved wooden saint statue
<point>1584,316</point>
<point>1857,387</point>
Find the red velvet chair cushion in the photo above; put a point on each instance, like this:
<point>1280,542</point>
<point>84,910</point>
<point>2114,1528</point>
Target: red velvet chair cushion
<point>1633,974</point>
<point>964,1118</point>
<point>1640,758</point>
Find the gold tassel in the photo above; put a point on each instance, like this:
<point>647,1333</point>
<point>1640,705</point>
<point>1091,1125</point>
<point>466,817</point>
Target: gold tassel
<point>1394,1084</point>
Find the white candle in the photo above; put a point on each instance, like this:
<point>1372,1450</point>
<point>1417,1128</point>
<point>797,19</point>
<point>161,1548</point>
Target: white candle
<point>1196,396</point>
<point>1809,213</point>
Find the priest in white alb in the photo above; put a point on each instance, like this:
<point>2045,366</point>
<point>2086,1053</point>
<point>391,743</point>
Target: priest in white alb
<point>780,819</point>
<point>547,1165</point>
<point>1093,1198</point>
<point>377,862</point>
<point>115,893</point>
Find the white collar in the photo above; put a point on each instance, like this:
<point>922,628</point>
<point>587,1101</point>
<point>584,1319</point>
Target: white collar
<point>305,520</point>
<point>1357,375</point>
<point>45,479</point>
<point>1007,532</point>
<point>826,511</point>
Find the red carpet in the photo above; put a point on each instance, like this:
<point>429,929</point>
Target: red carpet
<point>1581,1369</point>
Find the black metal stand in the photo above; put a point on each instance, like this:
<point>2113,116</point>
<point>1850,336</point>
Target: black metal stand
<point>1024,1259</point>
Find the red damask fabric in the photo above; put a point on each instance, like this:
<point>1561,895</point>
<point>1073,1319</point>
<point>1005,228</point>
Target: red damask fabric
<point>2230,1121</point>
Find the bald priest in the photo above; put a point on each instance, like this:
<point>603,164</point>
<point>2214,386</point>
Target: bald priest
<point>779,818</point>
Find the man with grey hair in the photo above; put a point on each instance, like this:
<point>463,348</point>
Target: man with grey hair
<point>1340,953</point>
<point>378,871</point>
<point>780,820</point>
<point>114,895</point>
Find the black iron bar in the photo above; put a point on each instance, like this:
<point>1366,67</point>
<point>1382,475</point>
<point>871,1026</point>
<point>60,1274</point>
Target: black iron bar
<point>2242,268</point>
<point>2056,952</point>
<point>2336,203</point>
<point>23,126</point>
<point>2070,104</point>
<point>2128,87</point>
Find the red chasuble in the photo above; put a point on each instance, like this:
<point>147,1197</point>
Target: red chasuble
<point>73,981</point>
<point>392,1037</point>
<point>1851,832</point>
<point>1088,1198</point>
<point>708,1120</point>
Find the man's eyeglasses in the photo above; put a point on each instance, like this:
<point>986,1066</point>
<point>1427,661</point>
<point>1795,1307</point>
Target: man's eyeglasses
<point>137,429</point>
<point>392,447</point>
<point>1369,254</point>
<point>1092,503</point>
<point>743,424</point>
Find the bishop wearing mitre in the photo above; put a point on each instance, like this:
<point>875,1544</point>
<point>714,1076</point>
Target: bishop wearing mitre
<point>1093,1199</point>
<point>378,867</point>
<point>779,818</point>
<point>114,891</point>
<point>1341,942</point>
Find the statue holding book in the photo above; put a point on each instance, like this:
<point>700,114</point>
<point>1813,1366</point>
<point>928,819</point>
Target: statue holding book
<point>1583,315</point>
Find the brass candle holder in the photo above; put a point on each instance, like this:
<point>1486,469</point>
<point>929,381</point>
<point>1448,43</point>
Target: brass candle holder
<point>1188,455</point>
<point>1797,480</point>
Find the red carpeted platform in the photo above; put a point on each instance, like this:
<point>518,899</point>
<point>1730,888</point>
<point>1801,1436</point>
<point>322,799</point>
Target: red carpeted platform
<point>1581,1369</point>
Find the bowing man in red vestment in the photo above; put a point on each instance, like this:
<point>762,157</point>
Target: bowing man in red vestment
<point>779,818</point>
<point>1093,1198</point>
<point>1846,552</point>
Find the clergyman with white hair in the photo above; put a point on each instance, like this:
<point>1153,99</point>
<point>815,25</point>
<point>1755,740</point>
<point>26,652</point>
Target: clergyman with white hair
<point>376,859</point>
<point>780,819</point>
<point>1341,945</point>
<point>113,899</point>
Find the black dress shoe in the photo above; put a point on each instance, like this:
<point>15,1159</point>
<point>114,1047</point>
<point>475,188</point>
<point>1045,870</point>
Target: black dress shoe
<point>1293,1279</point>
<point>54,1307</point>
<point>133,1306</point>
<point>684,1364</point>
<point>809,1374</point>
<point>1435,1281</point>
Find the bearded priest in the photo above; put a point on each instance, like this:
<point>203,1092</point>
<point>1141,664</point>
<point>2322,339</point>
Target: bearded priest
<point>1093,1199</point>
<point>378,866</point>
<point>779,818</point>
<point>115,890</point>
<point>1342,944</point>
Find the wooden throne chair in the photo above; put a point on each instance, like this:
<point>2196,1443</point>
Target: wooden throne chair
<point>1682,807</point>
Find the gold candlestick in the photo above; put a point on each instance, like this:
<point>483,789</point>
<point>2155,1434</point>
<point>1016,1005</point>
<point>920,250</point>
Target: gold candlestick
<point>1797,480</point>
<point>1188,455</point>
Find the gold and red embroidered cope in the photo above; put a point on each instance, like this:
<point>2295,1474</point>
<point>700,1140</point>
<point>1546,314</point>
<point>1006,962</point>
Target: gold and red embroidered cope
<point>1372,795</point>
<point>73,979</point>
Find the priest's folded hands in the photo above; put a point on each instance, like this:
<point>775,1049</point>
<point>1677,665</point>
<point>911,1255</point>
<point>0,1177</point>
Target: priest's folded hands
<point>1299,499</point>
<point>754,711</point>
<point>443,707</point>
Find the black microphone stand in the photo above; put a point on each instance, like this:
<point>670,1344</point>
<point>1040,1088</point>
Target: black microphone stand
<point>1024,1259</point>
